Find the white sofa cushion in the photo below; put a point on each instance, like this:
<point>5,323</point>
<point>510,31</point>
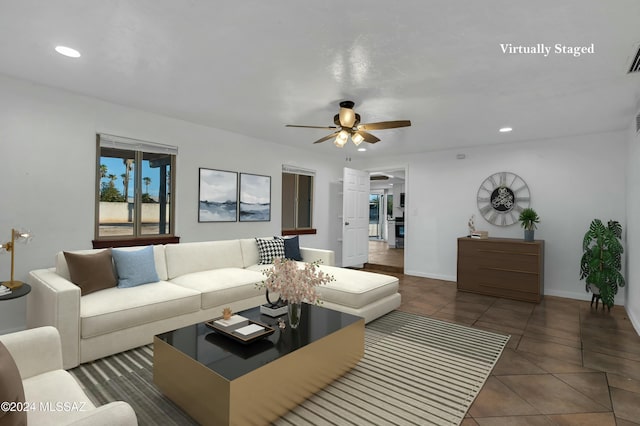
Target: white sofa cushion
<point>355,288</point>
<point>53,387</point>
<point>158,256</point>
<point>351,287</point>
<point>185,258</point>
<point>222,286</point>
<point>250,252</point>
<point>115,309</point>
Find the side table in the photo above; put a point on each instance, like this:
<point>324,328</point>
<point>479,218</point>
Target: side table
<point>23,290</point>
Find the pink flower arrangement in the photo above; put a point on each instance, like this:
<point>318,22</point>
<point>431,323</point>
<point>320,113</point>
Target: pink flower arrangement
<point>293,283</point>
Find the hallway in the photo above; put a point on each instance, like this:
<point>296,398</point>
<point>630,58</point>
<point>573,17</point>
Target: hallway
<point>383,258</point>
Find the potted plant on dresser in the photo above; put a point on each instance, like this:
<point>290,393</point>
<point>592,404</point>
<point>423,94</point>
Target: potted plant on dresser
<point>528,219</point>
<point>602,260</point>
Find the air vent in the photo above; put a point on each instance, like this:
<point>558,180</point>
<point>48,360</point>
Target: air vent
<point>635,65</point>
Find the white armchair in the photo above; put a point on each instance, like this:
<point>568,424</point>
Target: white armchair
<point>53,396</point>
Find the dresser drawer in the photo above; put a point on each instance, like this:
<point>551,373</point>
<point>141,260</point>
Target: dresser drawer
<point>501,267</point>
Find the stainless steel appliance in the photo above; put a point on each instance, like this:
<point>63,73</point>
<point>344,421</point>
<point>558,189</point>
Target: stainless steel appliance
<point>399,232</point>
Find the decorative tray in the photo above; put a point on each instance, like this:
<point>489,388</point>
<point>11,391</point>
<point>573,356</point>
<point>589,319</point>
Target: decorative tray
<point>244,351</point>
<point>233,334</point>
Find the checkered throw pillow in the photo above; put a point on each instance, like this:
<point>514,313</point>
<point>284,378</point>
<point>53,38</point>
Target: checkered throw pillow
<point>269,249</point>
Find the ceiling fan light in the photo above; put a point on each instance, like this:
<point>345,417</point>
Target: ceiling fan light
<point>357,138</point>
<point>347,117</point>
<point>339,142</point>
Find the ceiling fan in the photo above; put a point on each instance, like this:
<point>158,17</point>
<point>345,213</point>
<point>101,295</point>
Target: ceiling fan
<point>348,124</point>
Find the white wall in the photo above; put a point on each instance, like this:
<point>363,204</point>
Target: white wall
<point>48,152</point>
<point>572,181</point>
<point>633,228</point>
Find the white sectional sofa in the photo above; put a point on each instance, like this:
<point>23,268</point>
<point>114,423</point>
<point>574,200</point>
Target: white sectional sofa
<point>196,281</point>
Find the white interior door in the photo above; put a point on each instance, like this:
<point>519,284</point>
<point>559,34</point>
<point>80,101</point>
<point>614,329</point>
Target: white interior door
<point>355,217</point>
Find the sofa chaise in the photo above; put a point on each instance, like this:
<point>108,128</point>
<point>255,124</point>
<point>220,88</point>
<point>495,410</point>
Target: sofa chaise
<point>196,281</point>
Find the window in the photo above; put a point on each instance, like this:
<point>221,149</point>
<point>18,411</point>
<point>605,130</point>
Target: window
<point>136,182</point>
<point>297,201</point>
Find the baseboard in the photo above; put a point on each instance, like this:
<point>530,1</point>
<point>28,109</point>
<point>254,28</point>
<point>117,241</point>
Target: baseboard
<point>568,294</point>
<point>432,276</point>
<point>383,268</point>
<point>581,295</point>
<point>635,321</point>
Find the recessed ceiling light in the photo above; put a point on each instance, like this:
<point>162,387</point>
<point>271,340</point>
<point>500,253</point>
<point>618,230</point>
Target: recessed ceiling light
<point>505,129</point>
<point>362,149</point>
<point>67,51</point>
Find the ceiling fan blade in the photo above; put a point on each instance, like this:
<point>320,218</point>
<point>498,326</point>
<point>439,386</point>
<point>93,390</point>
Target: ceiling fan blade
<point>384,125</point>
<point>326,138</point>
<point>367,137</point>
<point>312,127</point>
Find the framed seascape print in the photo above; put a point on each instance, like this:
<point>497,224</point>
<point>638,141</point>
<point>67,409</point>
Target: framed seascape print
<point>255,198</point>
<point>218,196</point>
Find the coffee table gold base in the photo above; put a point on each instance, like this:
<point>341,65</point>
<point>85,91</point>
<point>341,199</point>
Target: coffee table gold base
<point>264,394</point>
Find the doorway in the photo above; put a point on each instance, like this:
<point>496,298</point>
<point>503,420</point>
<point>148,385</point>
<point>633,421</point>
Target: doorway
<point>387,228</point>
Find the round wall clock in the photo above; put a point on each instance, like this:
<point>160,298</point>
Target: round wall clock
<point>501,198</point>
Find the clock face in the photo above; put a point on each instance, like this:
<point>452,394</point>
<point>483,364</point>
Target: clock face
<point>501,198</point>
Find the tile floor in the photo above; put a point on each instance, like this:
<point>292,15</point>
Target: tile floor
<point>385,258</point>
<point>565,364</point>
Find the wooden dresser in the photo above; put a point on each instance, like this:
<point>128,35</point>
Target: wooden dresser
<point>502,267</point>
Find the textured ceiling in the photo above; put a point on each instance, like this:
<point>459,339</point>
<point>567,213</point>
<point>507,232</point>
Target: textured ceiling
<point>253,66</point>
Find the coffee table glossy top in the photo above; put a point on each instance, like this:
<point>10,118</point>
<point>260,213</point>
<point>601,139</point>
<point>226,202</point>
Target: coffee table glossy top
<point>232,359</point>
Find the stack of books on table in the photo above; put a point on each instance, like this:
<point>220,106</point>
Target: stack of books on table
<point>482,235</point>
<point>4,290</point>
<point>231,324</point>
<point>249,331</point>
<point>240,327</point>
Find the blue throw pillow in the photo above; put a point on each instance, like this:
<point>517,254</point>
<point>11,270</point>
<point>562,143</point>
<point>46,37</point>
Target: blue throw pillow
<point>291,248</point>
<point>135,267</point>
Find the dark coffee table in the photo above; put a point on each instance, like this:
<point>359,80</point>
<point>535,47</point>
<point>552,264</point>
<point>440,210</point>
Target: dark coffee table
<point>222,382</point>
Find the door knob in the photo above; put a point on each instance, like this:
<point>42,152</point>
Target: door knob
<point>346,224</point>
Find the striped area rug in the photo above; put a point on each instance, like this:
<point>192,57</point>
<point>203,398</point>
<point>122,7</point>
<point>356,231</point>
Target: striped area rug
<point>416,371</point>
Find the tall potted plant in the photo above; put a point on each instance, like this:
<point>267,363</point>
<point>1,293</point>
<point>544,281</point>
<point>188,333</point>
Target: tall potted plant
<point>528,219</point>
<point>602,260</point>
